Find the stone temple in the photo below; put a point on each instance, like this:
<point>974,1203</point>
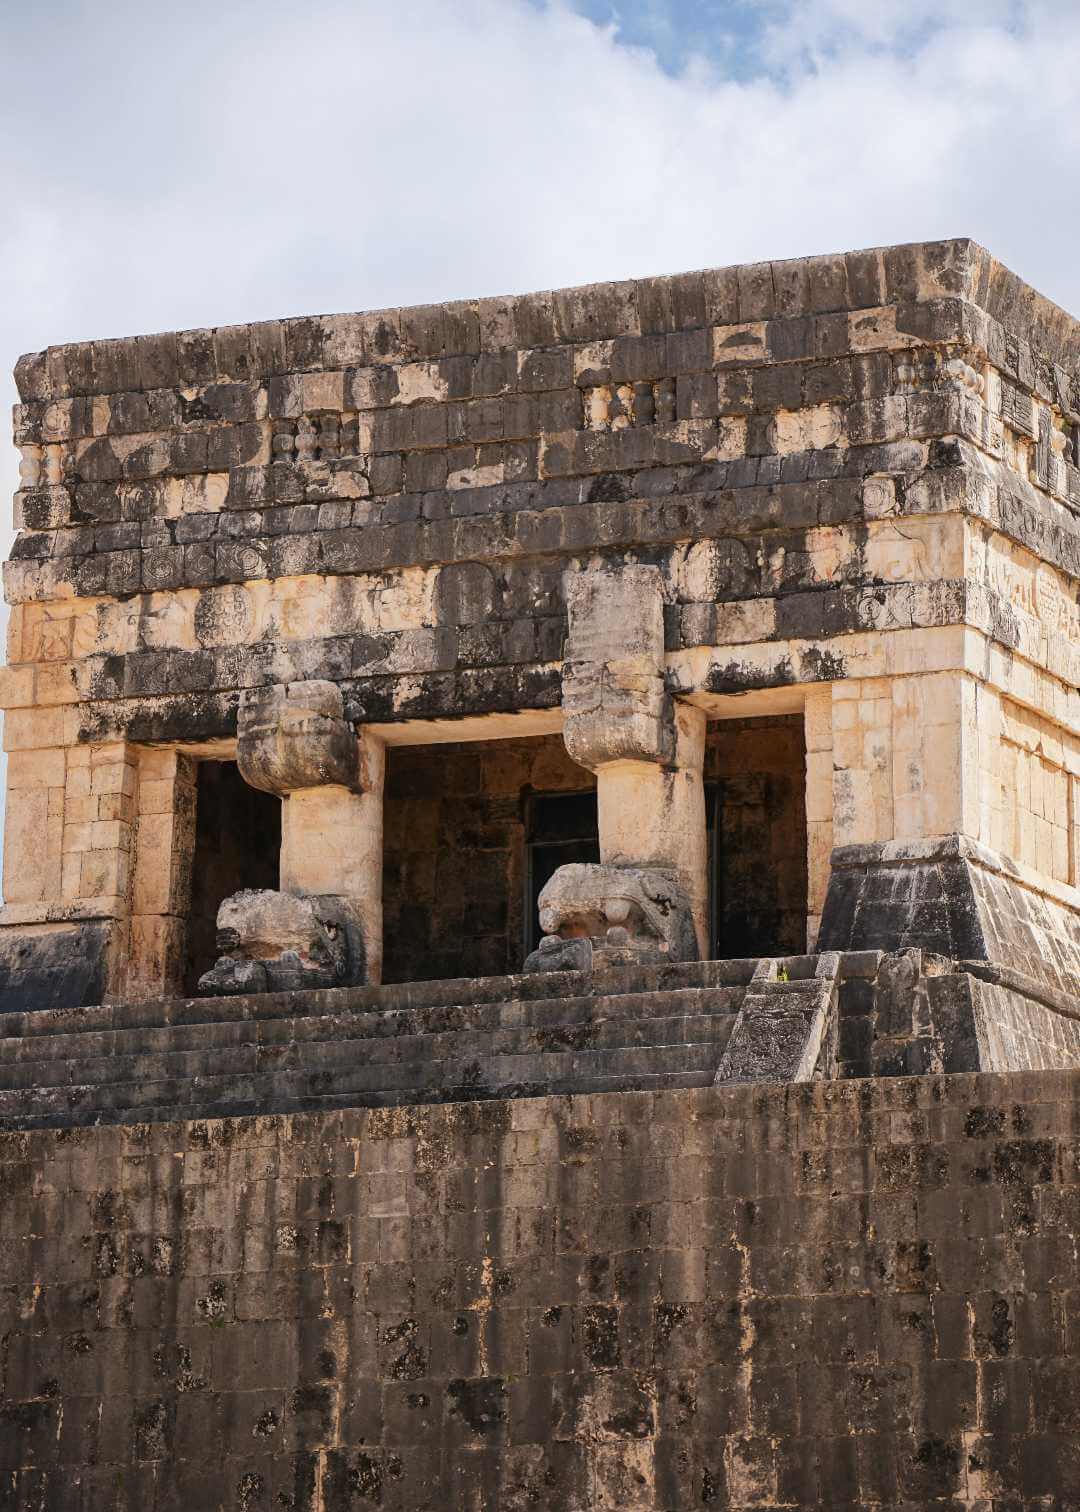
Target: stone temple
<point>540,956</point>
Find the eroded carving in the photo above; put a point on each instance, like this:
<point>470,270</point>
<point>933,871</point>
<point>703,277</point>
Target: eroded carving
<point>616,705</point>
<point>293,736</point>
<point>600,916</point>
<point>275,942</point>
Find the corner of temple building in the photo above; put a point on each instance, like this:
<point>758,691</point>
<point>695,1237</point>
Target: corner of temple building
<point>517,795</point>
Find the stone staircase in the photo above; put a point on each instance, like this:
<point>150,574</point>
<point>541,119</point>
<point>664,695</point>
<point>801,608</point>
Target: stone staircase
<point>626,1029</point>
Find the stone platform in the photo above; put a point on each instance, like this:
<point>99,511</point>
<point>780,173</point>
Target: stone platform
<point>797,1018</point>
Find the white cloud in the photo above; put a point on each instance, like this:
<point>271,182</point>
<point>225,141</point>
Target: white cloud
<point>172,165</point>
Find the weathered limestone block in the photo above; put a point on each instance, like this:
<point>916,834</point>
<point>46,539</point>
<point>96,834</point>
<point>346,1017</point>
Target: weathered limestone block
<point>295,735</point>
<point>276,942</point>
<point>630,914</point>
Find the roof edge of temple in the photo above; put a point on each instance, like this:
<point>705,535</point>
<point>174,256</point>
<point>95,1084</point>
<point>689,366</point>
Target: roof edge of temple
<point>787,289</point>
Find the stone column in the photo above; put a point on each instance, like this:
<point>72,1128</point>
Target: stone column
<point>332,844</point>
<point>161,884</point>
<point>650,891</point>
<point>325,925</point>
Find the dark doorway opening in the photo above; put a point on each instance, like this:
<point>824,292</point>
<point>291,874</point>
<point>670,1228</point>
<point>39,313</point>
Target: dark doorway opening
<point>561,828</point>
<point>755,805</point>
<point>467,837</point>
<point>237,844</point>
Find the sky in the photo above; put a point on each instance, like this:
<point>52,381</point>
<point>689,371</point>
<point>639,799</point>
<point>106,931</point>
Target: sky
<point>164,166</point>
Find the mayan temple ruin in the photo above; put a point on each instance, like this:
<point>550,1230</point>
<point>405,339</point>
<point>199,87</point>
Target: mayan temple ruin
<point>540,952</point>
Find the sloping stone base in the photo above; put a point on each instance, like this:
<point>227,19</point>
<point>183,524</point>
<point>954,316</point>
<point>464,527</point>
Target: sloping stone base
<point>53,966</point>
<point>952,897</point>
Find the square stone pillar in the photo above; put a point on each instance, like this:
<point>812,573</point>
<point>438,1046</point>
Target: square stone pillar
<point>647,753</point>
<point>818,731</point>
<point>332,843</point>
<point>293,740</point>
<point>653,815</point>
<point>161,883</point>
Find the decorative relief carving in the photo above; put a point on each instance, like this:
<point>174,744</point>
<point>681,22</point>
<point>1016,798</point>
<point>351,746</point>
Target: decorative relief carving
<point>317,438</point>
<point>930,367</point>
<point>613,407</point>
<point>42,466</point>
<point>1038,591</point>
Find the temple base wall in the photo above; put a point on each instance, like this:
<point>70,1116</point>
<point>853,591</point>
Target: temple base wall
<point>842,1295</point>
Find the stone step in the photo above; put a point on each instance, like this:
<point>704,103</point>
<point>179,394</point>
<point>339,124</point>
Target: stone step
<point>548,1017</point>
<point>499,1075</point>
<point>379,1001</point>
<point>342,1050</point>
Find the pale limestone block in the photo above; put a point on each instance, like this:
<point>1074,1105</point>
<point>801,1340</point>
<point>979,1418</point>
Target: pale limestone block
<point>28,769</point>
<point>419,381</point>
<point>49,632</point>
<point>947,809</point>
<point>862,814</point>
<point>161,867</point>
<point>819,845</point>
<point>79,810</point>
<point>731,431</point>
<point>16,687</point>
<point>113,777</point>
<point>915,550</point>
<point>14,635</point>
<point>845,718</point>
<point>477,477</point>
<point>77,785</point>
<point>875,330</point>
<point>70,876</point>
<point>26,859</point>
<point>332,841</point>
<point>57,683</point>
<point>110,835</point>
<point>107,753</point>
<point>155,795</point>
<point>32,729</point>
<point>154,962</point>
<point>819,779</point>
<point>322,391</point>
<point>104,873</point>
<point>119,806</point>
<point>591,357</point>
<point>406,602</point>
<point>163,765</point>
<point>78,836</point>
<point>908,817</point>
